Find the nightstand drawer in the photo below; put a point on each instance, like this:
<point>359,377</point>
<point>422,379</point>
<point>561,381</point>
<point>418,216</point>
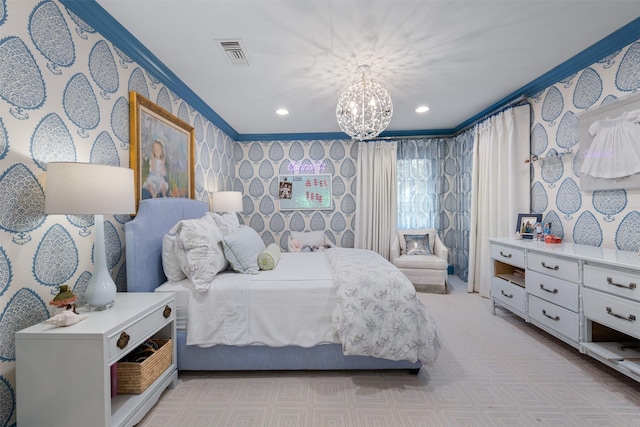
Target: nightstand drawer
<point>562,268</point>
<point>622,283</point>
<point>557,291</point>
<point>617,313</point>
<point>554,317</point>
<point>130,337</point>
<point>508,255</point>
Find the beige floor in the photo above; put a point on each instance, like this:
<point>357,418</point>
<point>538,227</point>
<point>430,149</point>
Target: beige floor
<point>492,371</point>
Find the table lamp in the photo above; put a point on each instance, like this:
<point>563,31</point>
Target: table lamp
<point>226,201</point>
<point>87,188</point>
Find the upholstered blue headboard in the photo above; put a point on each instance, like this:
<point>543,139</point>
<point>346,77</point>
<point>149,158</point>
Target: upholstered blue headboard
<point>143,237</point>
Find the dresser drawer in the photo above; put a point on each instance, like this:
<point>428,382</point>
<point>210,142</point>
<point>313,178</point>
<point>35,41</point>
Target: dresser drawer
<point>614,312</point>
<point>562,268</point>
<point>131,336</point>
<point>554,317</point>
<point>509,294</point>
<point>508,255</point>
<point>557,291</point>
<point>622,283</point>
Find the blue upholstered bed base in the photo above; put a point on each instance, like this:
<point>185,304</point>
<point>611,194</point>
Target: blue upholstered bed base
<point>144,273</point>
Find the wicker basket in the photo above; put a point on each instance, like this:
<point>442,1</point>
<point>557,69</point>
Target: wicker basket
<point>134,378</point>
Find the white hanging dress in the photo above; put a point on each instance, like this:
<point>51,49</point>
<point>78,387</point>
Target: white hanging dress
<point>615,150</point>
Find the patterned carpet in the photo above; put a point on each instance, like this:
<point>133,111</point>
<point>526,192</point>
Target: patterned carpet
<point>492,371</point>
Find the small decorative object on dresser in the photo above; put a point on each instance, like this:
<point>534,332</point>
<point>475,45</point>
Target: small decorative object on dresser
<point>65,299</point>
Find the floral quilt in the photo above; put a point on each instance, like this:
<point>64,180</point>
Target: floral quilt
<point>378,313</point>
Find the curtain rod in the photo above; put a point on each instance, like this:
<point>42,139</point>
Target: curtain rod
<point>520,100</point>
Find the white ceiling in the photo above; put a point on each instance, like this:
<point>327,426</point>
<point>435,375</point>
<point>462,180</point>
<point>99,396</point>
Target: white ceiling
<point>457,57</point>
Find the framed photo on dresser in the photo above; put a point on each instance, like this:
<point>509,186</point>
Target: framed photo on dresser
<point>526,224</point>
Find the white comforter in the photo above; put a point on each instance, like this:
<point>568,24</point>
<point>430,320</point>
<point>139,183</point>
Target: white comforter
<point>350,296</point>
<point>378,313</point>
<point>290,305</point>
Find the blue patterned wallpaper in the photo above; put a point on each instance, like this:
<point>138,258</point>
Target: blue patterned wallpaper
<point>64,96</point>
<point>259,165</point>
<point>599,218</point>
<point>455,217</point>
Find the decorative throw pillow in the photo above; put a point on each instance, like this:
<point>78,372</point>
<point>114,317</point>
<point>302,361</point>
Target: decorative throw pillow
<point>430,231</point>
<point>199,250</point>
<point>170,264</point>
<point>269,258</point>
<point>227,222</point>
<point>242,248</point>
<point>305,241</point>
<point>417,244</point>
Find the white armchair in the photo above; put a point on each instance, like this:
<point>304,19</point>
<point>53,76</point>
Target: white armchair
<point>428,273</point>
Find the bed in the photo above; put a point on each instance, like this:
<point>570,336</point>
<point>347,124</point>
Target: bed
<point>144,237</point>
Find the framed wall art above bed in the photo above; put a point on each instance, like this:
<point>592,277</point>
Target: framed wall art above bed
<point>162,151</point>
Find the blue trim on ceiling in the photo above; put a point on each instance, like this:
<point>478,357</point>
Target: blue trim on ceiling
<point>98,18</point>
<point>610,44</point>
<point>337,135</point>
<point>94,15</point>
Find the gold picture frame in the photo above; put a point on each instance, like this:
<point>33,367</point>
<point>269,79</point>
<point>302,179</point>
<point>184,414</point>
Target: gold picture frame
<point>162,151</point>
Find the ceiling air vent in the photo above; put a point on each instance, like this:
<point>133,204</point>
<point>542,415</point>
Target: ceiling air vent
<point>233,52</point>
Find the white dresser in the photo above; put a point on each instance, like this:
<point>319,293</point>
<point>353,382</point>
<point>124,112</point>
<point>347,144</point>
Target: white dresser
<point>586,296</point>
<point>63,373</point>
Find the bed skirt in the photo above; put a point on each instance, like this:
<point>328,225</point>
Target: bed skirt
<point>261,358</point>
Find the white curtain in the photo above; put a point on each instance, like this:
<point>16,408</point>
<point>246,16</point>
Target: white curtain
<point>500,187</point>
<point>377,185</point>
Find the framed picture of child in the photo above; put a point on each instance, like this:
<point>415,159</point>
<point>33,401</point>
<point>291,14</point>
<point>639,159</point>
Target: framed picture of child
<point>162,151</point>
<point>527,224</point>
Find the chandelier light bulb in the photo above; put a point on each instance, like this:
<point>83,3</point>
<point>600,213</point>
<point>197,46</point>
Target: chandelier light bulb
<point>364,109</point>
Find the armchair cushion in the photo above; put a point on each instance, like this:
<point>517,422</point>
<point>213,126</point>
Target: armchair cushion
<point>425,262</point>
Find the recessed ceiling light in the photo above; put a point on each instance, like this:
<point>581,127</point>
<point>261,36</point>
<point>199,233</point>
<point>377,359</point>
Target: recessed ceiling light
<point>422,109</point>
<point>282,111</point>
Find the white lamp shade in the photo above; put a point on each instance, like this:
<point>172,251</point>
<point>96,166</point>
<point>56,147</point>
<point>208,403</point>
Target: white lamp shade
<point>86,188</point>
<point>226,201</point>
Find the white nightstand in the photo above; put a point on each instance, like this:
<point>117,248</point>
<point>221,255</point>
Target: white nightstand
<point>63,373</point>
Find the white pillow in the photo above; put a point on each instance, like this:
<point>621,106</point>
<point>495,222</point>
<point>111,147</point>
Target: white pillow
<point>199,250</point>
<point>170,264</point>
<point>227,222</point>
<point>242,249</point>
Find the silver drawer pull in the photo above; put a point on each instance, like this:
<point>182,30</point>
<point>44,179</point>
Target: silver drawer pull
<point>630,286</point>
<point>505,255</point>
<point>550,268</point>
<point>506,295</point>
<point>555,291</point>
<point>556,318</point>
<point>630,318</point>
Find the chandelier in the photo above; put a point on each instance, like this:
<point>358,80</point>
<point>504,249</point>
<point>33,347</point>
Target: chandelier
<point>364,110</point>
